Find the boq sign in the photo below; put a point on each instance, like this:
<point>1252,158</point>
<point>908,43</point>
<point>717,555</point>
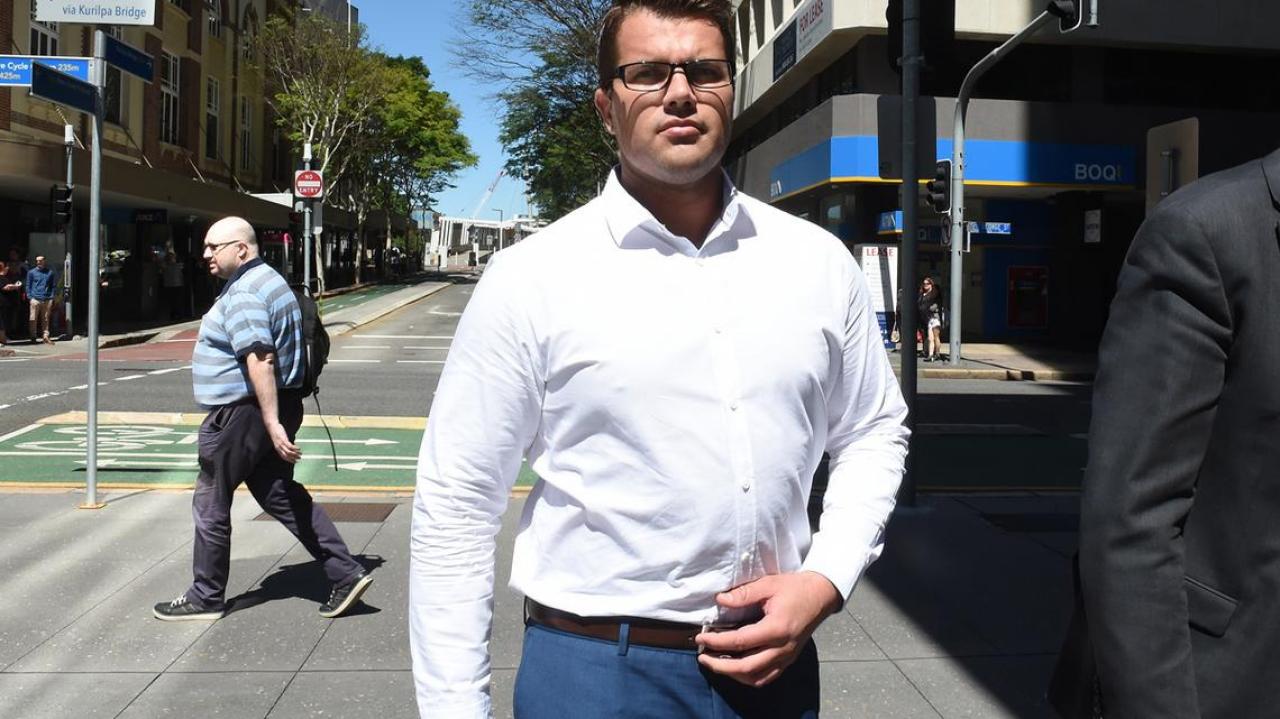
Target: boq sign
<point>308,184</point>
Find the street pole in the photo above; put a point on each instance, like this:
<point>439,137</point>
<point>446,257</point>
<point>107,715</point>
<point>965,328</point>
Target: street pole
<point>499,211</point>
<point>95,245</point>
<point>306,223</point>
<point>910,212</point>
<point>68,279</point>
<point>958,224</point>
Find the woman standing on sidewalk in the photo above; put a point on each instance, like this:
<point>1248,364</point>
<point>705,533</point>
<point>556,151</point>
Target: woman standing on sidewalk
<point>929,305</point>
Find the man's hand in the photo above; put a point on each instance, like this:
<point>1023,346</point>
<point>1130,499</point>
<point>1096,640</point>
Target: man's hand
<point>756,654</point>
<point>287,450</point>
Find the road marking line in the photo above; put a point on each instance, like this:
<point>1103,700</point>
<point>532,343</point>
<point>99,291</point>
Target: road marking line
<point>167,371</point>
<point>189,439</point>
<point>419,361</point>
<point>16,359</point>
<point>193,419</point>
<point>405,337</point>
<point>79,452</point>
<point>132,376</point>
<point>365,347</point>
<point>5,406</point>
<point>19,432</point>
<point>445,314</point>
<point>425,348</point>
<point>80,386</point>
<point>358,361</point>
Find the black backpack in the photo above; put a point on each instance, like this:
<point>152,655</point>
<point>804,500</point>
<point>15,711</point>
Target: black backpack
<point>315,341</point>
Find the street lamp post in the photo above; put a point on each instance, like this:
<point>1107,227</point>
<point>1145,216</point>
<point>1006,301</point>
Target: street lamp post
<point>500,220</point>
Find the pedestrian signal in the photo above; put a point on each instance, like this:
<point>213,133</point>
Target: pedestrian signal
<point>939,188</point>
<point>60,199</point>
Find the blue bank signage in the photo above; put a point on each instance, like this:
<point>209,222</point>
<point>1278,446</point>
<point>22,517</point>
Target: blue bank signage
<point>15,70</point>
<point>991,162</point>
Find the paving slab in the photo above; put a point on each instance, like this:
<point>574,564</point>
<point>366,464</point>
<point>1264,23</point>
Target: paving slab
<point>874,690</point>
<point>62,696</point>
<point>235,695</point>
<point>375,640</point>
<point>840,638</point>
<point>281,605</point>
<point>381,694</point>
<point>984,687</point>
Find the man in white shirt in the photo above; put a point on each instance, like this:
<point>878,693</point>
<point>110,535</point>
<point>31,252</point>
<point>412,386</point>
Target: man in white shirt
<point>675,392</point>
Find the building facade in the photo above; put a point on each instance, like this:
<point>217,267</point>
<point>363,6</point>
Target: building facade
<point>1060,149</point>
<point>192,145</point>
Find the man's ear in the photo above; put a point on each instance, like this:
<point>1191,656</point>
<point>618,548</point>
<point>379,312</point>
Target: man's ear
<point>604,108</point>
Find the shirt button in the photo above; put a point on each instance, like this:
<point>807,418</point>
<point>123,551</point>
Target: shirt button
<point>746,486</point>
<point>734,407</point>
<point>746,557</point>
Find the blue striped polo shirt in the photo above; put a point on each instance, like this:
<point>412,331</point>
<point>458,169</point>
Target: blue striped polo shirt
<point>255,311</point>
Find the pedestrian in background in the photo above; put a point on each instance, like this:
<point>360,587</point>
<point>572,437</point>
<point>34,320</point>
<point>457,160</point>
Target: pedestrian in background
<point>1179,560</point>
<point>175,294</point>
<point>42,282</point>
<point>12,288</point>
<point>675,414</point>
<point>246,368</point>
<point>929,314</point>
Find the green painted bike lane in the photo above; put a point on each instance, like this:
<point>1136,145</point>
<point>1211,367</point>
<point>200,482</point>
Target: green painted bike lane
<point>146,452</point>
<point>358,297</point>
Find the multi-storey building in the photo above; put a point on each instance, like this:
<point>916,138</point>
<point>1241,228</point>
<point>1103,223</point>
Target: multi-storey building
<point>180,151</point>
<point>1057,137</point>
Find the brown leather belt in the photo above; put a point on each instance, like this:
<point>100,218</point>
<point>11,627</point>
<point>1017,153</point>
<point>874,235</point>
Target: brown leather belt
<point>643,632</point>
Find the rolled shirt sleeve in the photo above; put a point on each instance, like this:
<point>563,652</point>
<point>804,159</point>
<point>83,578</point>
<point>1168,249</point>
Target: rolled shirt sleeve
<point>867,443</point>
<point>484,416</point>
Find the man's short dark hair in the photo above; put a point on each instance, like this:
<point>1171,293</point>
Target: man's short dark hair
<point>718,12</point>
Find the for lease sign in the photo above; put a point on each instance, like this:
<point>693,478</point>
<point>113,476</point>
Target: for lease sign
<point>97,12</point>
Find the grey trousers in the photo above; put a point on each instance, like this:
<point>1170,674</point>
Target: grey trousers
<point>235,448</point>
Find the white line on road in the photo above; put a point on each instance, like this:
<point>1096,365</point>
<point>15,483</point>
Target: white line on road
<point>372,441</point>
<point>80,386</point>
<point>19,432</point>
<point>426,348</point>
<point>419,361</point>
<point>16,359</point>
<point>79,452</point>
<point>365,347</point>
<point>404,337</point>
<point>356,361</point>
<point>167,371</point>
<point>132,376</point>
<point>445,314</point>
<point>5,406</point>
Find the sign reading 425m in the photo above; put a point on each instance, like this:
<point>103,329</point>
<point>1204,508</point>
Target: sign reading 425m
<point>97,12</point>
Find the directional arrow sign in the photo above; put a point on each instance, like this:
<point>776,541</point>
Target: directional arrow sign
<point>113,462</point>
<point>15,70</point>
<point>362,466</point>
<point>63,89</point>
<point>371,442</point>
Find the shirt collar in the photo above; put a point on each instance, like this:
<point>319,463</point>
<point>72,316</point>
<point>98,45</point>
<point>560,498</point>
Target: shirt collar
<point>240,272</point>
<point>625,216</point>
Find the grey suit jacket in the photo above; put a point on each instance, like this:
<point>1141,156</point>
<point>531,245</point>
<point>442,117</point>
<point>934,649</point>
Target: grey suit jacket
<point>1180,514</point>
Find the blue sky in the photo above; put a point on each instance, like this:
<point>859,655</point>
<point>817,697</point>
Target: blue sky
<point>426,28</point>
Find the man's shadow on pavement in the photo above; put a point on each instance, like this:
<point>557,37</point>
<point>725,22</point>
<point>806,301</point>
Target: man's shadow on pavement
<point>304,581</point>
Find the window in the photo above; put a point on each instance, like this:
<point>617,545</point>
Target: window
<point>212,109</point>
<point>114,93</point>
<point>213,12</point>
<point>170,83</point>
<point>246,134</point>
<point>248,36</point>
<point>44,35</point>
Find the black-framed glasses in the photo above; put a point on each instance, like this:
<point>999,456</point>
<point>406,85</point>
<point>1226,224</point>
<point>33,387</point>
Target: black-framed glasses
<point>213,249</point>
<point>652,76</point>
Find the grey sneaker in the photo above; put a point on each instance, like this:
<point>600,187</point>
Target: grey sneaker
<point>343,597</point>
<point>181,610</point>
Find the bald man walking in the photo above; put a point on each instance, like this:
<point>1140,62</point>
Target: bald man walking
<point>246,368</point>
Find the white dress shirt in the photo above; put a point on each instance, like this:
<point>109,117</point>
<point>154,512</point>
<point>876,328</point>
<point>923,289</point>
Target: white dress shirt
<point>675,402</point>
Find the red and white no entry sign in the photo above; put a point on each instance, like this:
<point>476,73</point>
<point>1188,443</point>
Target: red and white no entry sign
<point>308,184</point>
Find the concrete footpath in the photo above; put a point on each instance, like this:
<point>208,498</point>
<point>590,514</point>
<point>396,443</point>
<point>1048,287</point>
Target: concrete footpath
<point>961,617</point>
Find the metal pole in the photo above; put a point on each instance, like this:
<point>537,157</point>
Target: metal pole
<point>68,279</point>
<point>306,223</point>
<point>910,213</point>
<point>957,171</point>
<point>500,217</point>
<point>95,245</point>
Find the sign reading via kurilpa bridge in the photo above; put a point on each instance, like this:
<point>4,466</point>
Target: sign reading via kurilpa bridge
<point>97,12</point>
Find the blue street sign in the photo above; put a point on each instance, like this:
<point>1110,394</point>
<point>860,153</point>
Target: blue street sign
<point>49,84</point>
<point>129,58</point>
<point>15,70</point>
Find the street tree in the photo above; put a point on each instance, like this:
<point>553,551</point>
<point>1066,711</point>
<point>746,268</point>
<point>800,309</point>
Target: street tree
<point>539,56</point>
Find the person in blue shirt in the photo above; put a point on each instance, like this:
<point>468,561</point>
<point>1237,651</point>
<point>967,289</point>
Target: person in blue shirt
<point>42,281</point>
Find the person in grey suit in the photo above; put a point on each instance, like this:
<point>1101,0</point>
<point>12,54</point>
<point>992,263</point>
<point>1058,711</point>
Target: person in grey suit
<point>1179,564</point>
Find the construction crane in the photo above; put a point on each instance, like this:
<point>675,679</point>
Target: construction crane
<point>475,214</point>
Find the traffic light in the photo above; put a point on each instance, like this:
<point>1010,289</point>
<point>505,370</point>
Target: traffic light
<point>60,198</point>
<point>1070,13</point>
<point>939,188</point>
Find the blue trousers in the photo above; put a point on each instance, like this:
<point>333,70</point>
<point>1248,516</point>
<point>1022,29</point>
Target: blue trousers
<point>564,675</point>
